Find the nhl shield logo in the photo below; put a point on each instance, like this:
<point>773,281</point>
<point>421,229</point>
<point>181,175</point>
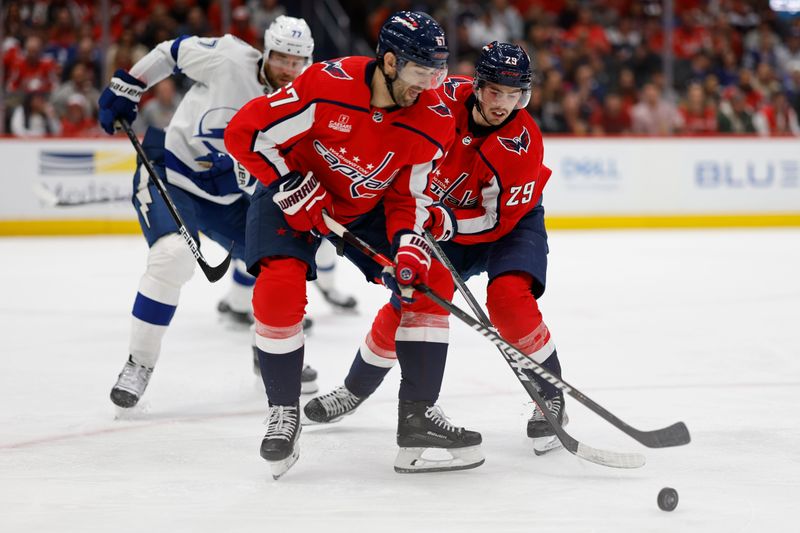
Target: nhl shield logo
<point>377,116</point>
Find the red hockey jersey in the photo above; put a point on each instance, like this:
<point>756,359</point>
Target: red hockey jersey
<point>323,122</point>
<point>490,182</point>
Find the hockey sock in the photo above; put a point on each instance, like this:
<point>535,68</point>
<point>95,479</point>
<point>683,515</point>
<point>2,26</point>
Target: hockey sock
<point>240,294</point>
<point>552,365</point>
<point>363,378</point>
<point>422,365</point>
<point>279,328</point>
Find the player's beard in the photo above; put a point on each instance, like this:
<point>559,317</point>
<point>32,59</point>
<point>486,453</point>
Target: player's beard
<point>405,95</point>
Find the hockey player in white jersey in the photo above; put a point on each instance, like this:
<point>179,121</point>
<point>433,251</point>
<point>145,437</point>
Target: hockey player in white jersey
<point>208,187</point>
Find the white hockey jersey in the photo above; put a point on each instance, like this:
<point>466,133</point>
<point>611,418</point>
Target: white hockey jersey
<point>226,72</point>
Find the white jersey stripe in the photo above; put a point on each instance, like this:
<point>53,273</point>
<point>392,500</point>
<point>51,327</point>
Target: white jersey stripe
<point>488,220</point>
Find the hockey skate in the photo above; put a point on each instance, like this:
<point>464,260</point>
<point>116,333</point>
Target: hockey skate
<point>539,429</point>
<point>308,378</point>
<point>279,447</point>
<point>337,300</point>
<point>422,428</point>
<point>131,383</point>
<point>237,319</point>
<point>332,407</point>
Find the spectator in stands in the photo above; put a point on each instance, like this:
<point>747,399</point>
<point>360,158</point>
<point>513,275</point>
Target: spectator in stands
<point>263,12</point>
<point>240,26</point>
<point>699,115</point>
<point>158,111</point>
<point>612,118</point>
<point>654,115</point>
<point>124,52</point>
<point>80,82</point>
<point>76,120</point>
<point>734,115</point>
<point>196,23</point>
<point>32,66</point>
<point>35,117</point>
<point>777,118</point>
<point>552,109</point>
<point>86,53</point>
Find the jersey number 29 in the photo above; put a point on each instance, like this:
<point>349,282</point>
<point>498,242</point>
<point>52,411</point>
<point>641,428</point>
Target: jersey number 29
<point>527,194</point>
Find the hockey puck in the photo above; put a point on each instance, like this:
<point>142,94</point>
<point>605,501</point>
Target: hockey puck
<point>667,499</point>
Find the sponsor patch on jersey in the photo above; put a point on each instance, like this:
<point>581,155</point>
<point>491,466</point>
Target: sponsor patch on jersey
<point>517,144</point>
<point>341,124</point>
<point>334,70</point>
<point>363,176</point>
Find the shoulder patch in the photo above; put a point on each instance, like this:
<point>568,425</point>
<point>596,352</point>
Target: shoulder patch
<point>517,144</point>
<point>451,85</point>
<point>441,109</point>
<point>334,70</point>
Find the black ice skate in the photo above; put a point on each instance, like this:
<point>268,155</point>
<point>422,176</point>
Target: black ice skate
<point>333,406</point>
<point>131,383</point>
<point>339,301</point>
<point>422,427</point>
<point>238,319</point>
<point>280,444</point>
<point>544,438</point>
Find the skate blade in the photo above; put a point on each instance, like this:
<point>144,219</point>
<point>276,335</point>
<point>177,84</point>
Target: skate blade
<point>543,445</point>
<point>309,387</point>
<point>411,460</point>
<point>279,468</point>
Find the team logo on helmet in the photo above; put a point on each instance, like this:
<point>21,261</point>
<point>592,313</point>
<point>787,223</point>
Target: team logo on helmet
<point>334,69</point>
<point>516,144</point>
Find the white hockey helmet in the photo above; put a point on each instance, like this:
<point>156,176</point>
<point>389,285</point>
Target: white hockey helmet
<point>289,35</point>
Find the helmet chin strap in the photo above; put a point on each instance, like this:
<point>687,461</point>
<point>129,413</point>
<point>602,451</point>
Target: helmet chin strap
<point>480,110</point>
<point>389,83</point>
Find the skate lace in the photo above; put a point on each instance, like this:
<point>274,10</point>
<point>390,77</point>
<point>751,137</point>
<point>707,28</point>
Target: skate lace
<point>435,414</point>
<point>338,401</point>
<point>553,405</point>
<point>133,375</point>
<point>281,421</point>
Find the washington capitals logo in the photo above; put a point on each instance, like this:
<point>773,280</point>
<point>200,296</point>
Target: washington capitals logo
<point>450,87</point>
<point>334,69</point>
<point>517,144</point>
<point>441,109</point>
<point>365,182</point>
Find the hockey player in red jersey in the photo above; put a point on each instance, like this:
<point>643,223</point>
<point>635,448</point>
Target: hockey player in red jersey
<point>487,196</point>
<point>356,137</point>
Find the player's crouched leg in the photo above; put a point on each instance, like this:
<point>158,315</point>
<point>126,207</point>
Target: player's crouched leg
<point>423,430</point>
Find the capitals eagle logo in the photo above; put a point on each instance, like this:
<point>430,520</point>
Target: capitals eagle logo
<point>334,69</point>
<point>516,144</point>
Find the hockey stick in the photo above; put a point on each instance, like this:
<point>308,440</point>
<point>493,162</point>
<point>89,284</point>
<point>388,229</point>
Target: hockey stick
<point>212,273</point>
<point>674,435</point>
<point>575,447</point>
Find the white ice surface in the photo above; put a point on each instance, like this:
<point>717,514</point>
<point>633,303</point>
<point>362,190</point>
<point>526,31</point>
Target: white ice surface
<point>700,326</point>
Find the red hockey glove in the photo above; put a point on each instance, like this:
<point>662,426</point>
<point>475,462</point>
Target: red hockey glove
<point>441,222</point>
<point>411,264</point>
<point>302,200</point>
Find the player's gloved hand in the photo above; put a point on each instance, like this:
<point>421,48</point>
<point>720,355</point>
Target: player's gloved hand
<point>411,264</point>
<point>302,200</point>
<point>441,222</point>
<point>218,177</point>
<point>119,100</point>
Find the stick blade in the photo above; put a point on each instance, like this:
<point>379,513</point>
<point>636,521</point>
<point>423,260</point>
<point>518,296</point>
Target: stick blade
<point>215,273</point>
<point>675,435</point>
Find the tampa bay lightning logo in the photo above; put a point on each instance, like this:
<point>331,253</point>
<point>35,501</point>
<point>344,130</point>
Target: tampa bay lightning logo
<point>516,144</point>
<point>335,70</point>
<point>441,109</point>
<point>450,86</point>
<point>212,124</point>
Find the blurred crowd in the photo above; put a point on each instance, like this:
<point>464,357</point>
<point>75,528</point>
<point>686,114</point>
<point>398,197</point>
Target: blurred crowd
<point>600,64</point>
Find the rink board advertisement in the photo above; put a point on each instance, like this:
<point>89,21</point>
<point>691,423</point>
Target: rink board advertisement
<point>84,185</point>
